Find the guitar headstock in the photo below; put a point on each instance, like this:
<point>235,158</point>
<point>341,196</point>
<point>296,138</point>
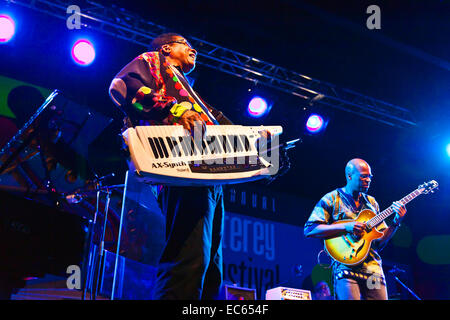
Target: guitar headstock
<point>428,187</point>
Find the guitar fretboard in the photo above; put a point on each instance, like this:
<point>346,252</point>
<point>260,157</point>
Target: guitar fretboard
<point>379,218</point>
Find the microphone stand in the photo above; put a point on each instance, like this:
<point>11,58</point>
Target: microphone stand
<point>94,270</point>
<point>98,276</point>
<point>395,271</point>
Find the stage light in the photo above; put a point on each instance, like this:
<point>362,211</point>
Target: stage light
<point>315,123</point>
<point>448,149</point>
<point>257,107</point>
<point>7,28</point>
<point>83,52</point>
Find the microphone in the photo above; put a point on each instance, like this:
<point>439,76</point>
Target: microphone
<point>283,146</point>
<point>105,177</point>
<point>291,144</point>
<point>396,269</point>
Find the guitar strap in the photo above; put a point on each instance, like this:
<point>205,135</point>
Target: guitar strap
<point>186,86</point>
<point>360,276</point>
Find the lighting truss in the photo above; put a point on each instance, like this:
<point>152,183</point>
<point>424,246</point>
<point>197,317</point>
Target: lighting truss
<point>122,24</point>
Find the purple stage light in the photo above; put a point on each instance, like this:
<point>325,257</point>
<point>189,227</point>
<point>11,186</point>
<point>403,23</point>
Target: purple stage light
<point>257,107</point>
<point>315,123</point>
<point>83,52</point>
<point>7,28</point>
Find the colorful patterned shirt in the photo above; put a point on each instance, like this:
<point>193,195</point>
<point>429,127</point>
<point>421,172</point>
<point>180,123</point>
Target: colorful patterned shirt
<point>150,91</point>
<point>338,205</point>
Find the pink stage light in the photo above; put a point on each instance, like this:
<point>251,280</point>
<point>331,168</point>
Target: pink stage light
<point>257,107</point>
<point>315,123</point>
<point>83,52</point>
<point>7,28</point>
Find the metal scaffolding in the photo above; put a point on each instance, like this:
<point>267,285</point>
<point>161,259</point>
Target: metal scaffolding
<point>129,26</point>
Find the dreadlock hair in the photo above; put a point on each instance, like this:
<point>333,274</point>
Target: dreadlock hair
<point>162,39</point>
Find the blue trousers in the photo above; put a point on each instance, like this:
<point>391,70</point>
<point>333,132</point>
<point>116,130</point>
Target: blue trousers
<point>190,267</point>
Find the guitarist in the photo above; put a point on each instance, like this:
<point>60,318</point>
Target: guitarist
<point>366,280</point>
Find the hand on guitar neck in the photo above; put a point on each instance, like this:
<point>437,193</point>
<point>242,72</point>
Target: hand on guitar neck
<point>400,211</point>
<point>358,228</point>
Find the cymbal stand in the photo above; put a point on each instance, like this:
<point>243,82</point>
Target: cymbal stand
<point>101,249</point>
<point>95,260</point>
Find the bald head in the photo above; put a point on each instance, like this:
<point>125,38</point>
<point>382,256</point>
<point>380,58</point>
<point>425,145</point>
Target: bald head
<point>355,166</point>
<point>358,175</point>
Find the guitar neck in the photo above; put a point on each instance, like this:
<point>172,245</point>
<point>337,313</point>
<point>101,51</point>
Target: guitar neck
<point>379,218</point>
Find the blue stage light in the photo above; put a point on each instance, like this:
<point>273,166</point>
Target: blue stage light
<point>83,52</point>
<point>315,123</point>
<point>257,107</point>
<point>7,28</point>
<point>448,149</point>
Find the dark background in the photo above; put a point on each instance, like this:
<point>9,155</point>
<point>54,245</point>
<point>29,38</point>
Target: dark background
<point>406,63</point>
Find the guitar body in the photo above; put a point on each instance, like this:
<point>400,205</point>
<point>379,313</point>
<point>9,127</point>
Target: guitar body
<point>351,250</point>
<point>348,249</point>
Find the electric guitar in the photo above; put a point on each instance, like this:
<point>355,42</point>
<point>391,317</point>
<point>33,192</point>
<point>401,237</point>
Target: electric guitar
<point>352,250</point>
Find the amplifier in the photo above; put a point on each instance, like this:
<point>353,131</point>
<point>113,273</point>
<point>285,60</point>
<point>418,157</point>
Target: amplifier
<point>282,293</point>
